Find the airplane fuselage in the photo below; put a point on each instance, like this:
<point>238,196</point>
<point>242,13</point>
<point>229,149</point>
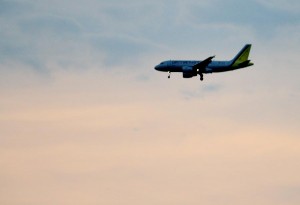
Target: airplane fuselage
<point>180,66</point>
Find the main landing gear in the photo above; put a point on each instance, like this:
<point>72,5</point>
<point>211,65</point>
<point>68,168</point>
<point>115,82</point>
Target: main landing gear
<point>201,76</point>
<point>169,74</point>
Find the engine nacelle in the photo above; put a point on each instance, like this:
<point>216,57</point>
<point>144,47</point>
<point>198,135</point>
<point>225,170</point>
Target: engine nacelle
<point>208,70</point>
<point>188,75</point>
<point>188,72</point>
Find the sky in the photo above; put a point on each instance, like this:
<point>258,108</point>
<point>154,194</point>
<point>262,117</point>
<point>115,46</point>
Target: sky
<point>85,118</point>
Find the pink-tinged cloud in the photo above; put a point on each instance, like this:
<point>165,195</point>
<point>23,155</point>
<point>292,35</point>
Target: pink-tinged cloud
<point>100,138</point>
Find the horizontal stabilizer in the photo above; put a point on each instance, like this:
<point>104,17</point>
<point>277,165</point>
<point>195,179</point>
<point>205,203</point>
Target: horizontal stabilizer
<point>245,64</point>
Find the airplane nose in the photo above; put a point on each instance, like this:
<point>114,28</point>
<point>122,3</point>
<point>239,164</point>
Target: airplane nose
<point>158,67</point>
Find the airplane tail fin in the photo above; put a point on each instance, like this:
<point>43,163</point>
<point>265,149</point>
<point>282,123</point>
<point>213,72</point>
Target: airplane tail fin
<point>241,59</point>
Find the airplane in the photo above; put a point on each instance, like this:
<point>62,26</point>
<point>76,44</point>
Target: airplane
<point>190,69</point>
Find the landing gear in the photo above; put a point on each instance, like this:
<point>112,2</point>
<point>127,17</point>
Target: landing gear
<point>201,76</point>
<point>169,74</point>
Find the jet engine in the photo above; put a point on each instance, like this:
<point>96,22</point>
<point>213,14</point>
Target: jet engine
<point>188,72</point>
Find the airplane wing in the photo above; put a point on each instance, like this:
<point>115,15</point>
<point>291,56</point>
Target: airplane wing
<point>203,64</point>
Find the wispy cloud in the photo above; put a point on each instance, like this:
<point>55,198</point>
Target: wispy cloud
<point>201,91</point>
<point>39,34</point>
<point>292,6</point>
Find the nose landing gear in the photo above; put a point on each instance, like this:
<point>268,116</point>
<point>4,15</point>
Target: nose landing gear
<point>201,76</point>
<point>169,74</point>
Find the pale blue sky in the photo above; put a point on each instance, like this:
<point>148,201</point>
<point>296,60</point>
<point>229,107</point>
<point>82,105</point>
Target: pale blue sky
<point>34,32</point>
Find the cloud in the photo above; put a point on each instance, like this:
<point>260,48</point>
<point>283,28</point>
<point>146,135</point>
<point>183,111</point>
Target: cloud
<point>120,49</point>
<point>87,136</point>
<point>250,15</point>
<point>13,8</point>
<point>288,6</point>
<point>201,92</point>
<point>41,36</point>
<point>96,33</point>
